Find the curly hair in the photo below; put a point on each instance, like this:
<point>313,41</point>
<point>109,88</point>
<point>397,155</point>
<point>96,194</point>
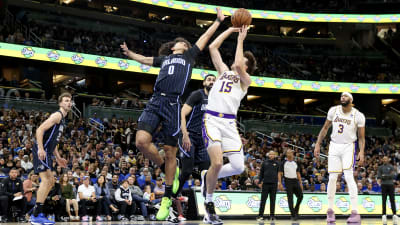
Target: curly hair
<point>165,48</point>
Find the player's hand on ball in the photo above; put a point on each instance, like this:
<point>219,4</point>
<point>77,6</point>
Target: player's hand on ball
<point>220,15</point>
<point>125,48</point>
<point>234,29</point>
<point>186,143</point>
<point>243,32</point>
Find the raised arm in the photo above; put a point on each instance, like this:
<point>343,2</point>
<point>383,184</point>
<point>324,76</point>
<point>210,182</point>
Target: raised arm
<point>202,41</point>
<point>216,58</point>
<point>239,63</point>
<point>137,57</point>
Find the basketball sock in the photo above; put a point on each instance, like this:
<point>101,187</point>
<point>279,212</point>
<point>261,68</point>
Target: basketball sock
<point>352,186</point>
<point>332,189</point>
<point>168,191</point>
<point>234,167</point>
<point>209,198</point>
<point>38,209</point>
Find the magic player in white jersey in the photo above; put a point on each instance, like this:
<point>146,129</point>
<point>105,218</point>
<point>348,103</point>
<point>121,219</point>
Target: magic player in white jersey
<point>219,122</point>
<point>346,123</point>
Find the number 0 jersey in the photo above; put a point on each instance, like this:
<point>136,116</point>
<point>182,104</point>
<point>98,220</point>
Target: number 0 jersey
<point>344,126</point>
<point>226,94</point>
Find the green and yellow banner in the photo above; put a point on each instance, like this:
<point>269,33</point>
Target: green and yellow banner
<point>230,203</point>
<point>278,15</point>
<point>81,59</point>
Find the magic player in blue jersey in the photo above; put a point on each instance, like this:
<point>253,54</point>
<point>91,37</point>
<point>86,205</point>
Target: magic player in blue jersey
<point>176,62</point>
<point>47,137</point>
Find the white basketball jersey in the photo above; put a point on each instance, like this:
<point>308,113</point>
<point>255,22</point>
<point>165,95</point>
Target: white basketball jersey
<point>344,126</point>
<point>226,94</point>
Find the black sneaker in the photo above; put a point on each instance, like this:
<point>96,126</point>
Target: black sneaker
<point>211,217</point>
<point>272,218</point>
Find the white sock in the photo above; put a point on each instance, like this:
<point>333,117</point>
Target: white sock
<point>352,186</point>
<point>332,189</point>
<point>234,167</point>
<point>209,198</point>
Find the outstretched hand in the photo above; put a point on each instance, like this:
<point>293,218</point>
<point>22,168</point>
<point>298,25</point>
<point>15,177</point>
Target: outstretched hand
<point>125,49</point>
<point>220,15</point>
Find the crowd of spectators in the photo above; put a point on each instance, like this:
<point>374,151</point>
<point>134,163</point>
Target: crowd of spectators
<point>100,163</point>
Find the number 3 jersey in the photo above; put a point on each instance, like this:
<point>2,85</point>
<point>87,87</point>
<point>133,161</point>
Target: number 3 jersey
<point>226,94</point>
<point>344,126</point>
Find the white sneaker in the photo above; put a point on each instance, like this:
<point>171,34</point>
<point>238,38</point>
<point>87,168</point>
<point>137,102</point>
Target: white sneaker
<point>384,219</point>
<point>395,219</point>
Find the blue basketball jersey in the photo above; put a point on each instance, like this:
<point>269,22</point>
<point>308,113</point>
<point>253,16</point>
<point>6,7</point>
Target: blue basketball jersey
<point>175,71</point>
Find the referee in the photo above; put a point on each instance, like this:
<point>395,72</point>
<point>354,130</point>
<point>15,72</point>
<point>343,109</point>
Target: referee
<point>291,172</point>
<point>269,178</point>
<point>386,173</point>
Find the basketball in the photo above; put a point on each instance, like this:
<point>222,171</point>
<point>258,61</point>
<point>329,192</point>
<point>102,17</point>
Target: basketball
<point>241,17</point>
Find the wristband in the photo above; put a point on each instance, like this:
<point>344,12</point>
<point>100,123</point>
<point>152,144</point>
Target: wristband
<point>218,20</point>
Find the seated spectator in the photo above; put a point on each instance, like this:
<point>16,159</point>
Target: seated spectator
<point>54,202</point>
<point>86,197</point>
<point>123,196</point>
<point>103,199</point>
<point>148,195</point>
<point>26,164</point>
<point>137,196</point>
<point>11,193</point>
<point>68,194</point>
<point>30,188</point>
<point>159,189</point>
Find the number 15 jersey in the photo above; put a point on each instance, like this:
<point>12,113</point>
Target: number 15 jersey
<point>226,94</point>
<point>344,126</point>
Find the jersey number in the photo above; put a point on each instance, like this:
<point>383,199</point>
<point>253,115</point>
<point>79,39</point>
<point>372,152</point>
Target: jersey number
<point>341,126</point>
<point>171,70</point>
<point>226,87</point>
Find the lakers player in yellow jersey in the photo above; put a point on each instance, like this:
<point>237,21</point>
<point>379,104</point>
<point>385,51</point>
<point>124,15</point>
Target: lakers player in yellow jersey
<point>348,125</point>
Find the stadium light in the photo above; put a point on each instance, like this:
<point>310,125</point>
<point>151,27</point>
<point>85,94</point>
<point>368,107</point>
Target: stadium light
<point>388,101</point>
<point>309,101</point>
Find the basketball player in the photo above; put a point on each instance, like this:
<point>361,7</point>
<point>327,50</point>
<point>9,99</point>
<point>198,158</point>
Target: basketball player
<point>176,62</point>
<point>219,123</point>
<point>347,122</point>
<point>47,137</point>
<point>191,143</point>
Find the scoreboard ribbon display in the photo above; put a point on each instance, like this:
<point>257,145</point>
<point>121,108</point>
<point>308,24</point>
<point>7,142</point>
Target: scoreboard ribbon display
<point>239,203</point>
<point>103,62</point>
<point>278,15</point>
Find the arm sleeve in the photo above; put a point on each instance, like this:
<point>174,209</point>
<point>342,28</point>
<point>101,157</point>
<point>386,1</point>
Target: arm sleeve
<point>194,99</point>
<point>193,52</point>
<point>261,177</point>
<point>360,119</point>
<point>379,173</point>
<point>331,113</point>
<point>298,168</point>
<point>158,60</point>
